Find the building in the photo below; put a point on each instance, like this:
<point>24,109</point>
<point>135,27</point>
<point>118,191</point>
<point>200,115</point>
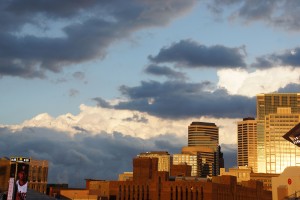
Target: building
<point>265,178</point>
<point>203,134</point>
<point>125,176</point>
<point>37,173</point>
<point>4,173</point>
<point>277,113</point>
<point>149,183</point>
<point>203,152</point>
<point>53,189</point>
<point>287,184</point>
<point>191,160</point>
<point>164,159</point>
<point>157,185</point>
<point>246,174</point>
<point>208,160</point>
<point>279,152</point>
<point>241,173</point>
<point>181,170</point>
<point>247,143</point>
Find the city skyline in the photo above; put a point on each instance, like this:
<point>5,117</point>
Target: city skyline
<point>83,82</point>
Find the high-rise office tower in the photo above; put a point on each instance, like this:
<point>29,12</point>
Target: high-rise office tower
<point>203,145</point>
<point>203,134</point>
<point>277,113</point>
<point>247,143</point>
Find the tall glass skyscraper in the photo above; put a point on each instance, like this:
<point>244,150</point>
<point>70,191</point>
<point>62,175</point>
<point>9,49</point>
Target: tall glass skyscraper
<point>277,113</point>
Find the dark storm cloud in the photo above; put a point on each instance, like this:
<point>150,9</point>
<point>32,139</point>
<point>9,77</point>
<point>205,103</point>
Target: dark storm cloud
<point>290,88</point>
<point>279,13</point>
<point>164,71</point>
<point>101,102</point>
<point>229,155</point>
<point>88,28</point>
<point>290,57</point>
<point>74,158</point>
<point>176,99</point>
<point>188,53</point>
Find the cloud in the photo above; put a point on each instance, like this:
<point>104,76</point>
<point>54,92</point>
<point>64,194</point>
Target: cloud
<point>175,99</point>
<point>79,75</point>
<point>277,13</point>
<point>290,88</point>
<point>73,158</point>
<point>73,92</point>
<point>102,103</point>
<point>290,57</point>
<point>164,71</point>
<point>39,37</point>
<point>188,53</point>
<point>136,118</point>
<point>94,120</point>
<point>242,82</point>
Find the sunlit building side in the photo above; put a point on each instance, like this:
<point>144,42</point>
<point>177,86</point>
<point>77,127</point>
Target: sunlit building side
<point>247,143</point>
<point>277,113</point>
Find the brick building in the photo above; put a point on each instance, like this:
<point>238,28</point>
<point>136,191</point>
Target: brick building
<point>149,183</point>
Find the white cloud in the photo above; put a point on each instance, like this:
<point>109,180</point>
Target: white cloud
<point>133,123</point>
<point>242,82</point>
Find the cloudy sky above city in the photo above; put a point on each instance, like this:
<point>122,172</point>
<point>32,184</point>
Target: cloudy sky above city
<point>88,85</point>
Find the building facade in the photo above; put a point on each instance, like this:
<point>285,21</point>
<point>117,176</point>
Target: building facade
<point>279,152</point>
<point>164,159</point>
<point>125,176</point>
<point>203,152</point>
<point>245,174</point>
<point>287,184</point>
<point>191,160</point>
<point>247,143</point>
<point>4,174</point>
<point>203,134</point>
<point>181,170</point>
<point>157,185</point>
<point>37,174</point>
<point>277,113</point>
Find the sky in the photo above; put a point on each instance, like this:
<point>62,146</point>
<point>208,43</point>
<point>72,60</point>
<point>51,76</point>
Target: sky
<point>88,85</point>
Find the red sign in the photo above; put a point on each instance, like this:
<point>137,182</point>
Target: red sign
<point>289,181</point>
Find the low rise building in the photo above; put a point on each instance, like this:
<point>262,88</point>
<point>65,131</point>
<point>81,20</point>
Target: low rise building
<point>244,173</point>
<point>125,176</point>
<point>37,174</point>
<point>287,184</point>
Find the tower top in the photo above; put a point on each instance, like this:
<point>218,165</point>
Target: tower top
<point>203,123</point>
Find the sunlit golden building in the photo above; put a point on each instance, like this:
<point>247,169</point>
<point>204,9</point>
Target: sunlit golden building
<point>247,143</point>
<point>277,113</point>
